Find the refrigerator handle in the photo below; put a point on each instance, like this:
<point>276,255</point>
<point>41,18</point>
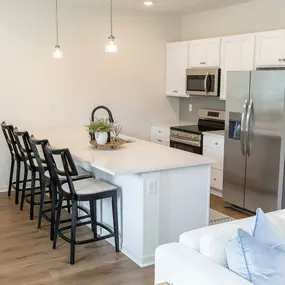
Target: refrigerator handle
<point>242,140</point>
<point>248,129</point>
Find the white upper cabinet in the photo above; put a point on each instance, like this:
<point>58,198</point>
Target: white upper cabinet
<point>270,49</point>
<point>205,53</point>
<point>237,54</point>
<point>176,66</point>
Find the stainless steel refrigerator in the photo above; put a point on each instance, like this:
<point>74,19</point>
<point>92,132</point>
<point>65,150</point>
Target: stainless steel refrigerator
<point>254,140</point>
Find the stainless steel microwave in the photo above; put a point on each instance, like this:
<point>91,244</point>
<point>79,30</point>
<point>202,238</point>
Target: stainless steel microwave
<point>203,82</point>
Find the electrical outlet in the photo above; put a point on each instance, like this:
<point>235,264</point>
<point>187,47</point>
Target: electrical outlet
<point>190,108</point>
<point>152,187</point>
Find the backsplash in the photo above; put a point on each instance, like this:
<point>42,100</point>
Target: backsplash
<point>198,103</point>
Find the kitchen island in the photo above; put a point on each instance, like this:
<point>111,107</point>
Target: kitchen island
<point>163,192</point>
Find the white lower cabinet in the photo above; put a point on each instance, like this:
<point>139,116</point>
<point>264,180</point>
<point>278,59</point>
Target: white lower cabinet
<point>160,135</point>
<point>213,147</point>
<point>217,179</point>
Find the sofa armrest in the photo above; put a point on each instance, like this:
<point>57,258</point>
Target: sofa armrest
<point>180,265</point>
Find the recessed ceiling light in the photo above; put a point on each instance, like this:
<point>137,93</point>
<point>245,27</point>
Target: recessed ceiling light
<point>148,3</point>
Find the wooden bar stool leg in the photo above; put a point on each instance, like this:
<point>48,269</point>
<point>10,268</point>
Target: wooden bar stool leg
<point>93,212</point>
<point>42,201</point>
<point>73,232</point>
<point>33,186</point>
<point>68,206</point>
<point>24,187</point>
<point>115,221</point>
<point>53,208</point>
<point>57,221</point>
<point>18,182</point>
<point>11,176</point>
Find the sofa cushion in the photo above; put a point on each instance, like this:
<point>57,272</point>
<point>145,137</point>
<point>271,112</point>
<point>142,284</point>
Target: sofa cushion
<point>211,241</point>
<point>264,231</point>
<point>193,238</point>
<point>255,261</point>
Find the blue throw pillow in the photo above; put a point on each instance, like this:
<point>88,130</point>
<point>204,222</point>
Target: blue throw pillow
<point>255,261</point>
<point>263,231</point>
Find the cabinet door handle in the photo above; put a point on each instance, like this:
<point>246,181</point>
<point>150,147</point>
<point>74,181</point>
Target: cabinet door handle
<point>215,179</point>
<point>216,143</point>
<point>175,91</point>
<point>279,59</point>
<point>283,59</point>
<point>159,140</point>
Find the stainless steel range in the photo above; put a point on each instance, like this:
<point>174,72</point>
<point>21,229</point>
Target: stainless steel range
<point>190,138</point>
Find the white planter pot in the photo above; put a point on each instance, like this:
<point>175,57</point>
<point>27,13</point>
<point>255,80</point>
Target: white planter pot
<point>101,138</point>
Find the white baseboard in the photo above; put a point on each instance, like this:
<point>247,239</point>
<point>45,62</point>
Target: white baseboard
<point>217,192</point>
<point>3,189</point>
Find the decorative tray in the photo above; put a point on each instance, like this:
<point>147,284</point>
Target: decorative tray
<point>112,144</point>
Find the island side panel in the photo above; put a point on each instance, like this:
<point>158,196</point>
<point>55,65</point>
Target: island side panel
<point>184,201</point>
<point>130,207</point>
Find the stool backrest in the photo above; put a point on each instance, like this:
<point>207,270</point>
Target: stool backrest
<point>61,164</point>
<point>23,143</point>
<point>8,131</point>
<point>37,147</point>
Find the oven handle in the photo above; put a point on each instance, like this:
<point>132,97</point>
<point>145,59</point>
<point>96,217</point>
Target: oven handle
<point>205,83</point>
<point>188,142</point>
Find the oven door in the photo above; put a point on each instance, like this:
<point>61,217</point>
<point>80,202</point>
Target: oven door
<point>203,82</point>
<point>182,144</point>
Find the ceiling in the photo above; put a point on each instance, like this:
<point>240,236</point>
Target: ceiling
<point>168,6</point>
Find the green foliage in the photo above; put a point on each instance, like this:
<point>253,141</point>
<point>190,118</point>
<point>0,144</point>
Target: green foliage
<point>100,126</point>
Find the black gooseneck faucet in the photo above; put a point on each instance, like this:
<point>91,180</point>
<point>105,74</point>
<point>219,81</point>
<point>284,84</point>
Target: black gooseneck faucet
<point>111,119</point>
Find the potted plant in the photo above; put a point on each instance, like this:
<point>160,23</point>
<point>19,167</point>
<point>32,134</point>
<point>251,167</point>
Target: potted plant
<point>100,127</point>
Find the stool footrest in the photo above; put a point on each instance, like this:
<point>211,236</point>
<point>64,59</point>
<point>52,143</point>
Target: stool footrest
<point>64,237</point>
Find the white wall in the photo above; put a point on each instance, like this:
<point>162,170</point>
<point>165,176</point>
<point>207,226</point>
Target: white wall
<point>37,90</point>
<point>254,16</point>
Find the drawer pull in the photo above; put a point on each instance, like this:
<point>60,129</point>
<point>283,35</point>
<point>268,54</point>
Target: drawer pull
<point>159,140</point>
<point>216,143</point>
<point>215,179</point>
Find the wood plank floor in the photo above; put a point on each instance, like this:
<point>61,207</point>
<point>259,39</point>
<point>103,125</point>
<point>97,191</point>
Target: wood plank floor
<point>27,257</point>
<point>218,205</point>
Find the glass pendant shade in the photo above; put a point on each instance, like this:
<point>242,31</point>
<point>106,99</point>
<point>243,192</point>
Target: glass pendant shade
<point>111,46</point>
<point>57,53</point>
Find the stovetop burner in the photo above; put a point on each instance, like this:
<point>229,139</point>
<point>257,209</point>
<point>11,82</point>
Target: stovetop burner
<point>196,129</point>
<point>209,120</point>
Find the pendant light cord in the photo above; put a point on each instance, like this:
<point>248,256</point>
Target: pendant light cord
<point>56,21</point>
<point>111,14</point>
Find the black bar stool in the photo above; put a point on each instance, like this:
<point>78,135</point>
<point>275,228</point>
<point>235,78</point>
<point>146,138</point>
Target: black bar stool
<point>30,165</point>
<point>89,190</point>
<point>37,147</point>
<point>8,131</point>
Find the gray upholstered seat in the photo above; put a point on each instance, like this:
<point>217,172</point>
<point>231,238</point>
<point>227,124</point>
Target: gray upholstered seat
<point>89,186</point>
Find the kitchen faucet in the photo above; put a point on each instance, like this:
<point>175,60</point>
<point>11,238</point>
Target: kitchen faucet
<point>111,119</point>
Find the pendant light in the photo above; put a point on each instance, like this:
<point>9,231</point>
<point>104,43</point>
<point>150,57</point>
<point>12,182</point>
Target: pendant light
<point>111,46</point>
<point>57,53</point>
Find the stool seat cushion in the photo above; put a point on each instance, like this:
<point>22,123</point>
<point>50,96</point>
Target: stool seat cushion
<point>89,186</point>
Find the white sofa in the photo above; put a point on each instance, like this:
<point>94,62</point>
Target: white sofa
<point>199,257</point>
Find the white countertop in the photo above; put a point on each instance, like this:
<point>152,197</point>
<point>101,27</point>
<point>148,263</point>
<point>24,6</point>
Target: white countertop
<point>138,157</point>
<point>215,133</point>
